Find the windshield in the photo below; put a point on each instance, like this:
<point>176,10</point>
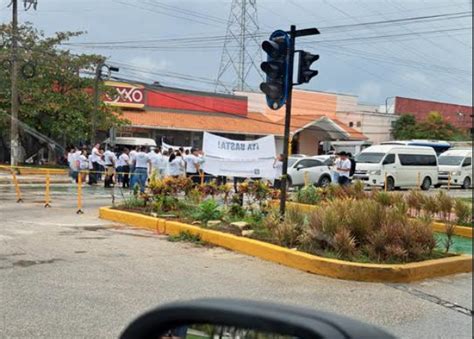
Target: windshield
<point>450,160</point>
<point>370,158</point>
<point>291,161</point>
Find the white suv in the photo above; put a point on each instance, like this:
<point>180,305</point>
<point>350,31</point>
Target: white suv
<point>317,169</point>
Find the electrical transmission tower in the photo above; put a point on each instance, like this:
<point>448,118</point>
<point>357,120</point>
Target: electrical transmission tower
<point>241,52</point>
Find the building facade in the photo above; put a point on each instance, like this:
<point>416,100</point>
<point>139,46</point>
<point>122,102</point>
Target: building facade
<point>459,116</point>
<point>180,117</point>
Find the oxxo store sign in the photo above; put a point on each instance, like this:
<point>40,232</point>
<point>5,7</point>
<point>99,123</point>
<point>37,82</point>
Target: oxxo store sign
<point>125,95</point>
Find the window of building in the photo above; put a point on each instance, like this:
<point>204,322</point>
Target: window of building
<point>351,124</point>
<point>359,123</point>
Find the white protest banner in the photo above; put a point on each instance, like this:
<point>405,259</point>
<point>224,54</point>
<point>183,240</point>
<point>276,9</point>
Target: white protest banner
<point>247,159</point>
<point>258,168</point>
<point>223,148</point>
<point>165,146</point>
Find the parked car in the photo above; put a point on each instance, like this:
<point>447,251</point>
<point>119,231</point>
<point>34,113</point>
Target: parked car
<point>456,166</point>
<point>317,168</point>
<point>402,166</point>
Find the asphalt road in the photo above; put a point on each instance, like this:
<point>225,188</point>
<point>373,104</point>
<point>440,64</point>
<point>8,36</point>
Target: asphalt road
<point>69,276</point>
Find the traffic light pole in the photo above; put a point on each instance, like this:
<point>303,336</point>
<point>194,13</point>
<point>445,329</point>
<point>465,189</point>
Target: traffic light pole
<point>286,137</point>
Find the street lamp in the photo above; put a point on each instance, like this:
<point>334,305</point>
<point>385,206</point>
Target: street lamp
<point>386,103</point>
<point>98,78</point>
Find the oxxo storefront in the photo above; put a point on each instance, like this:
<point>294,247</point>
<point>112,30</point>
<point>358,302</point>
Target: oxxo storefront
<point>181,116</point>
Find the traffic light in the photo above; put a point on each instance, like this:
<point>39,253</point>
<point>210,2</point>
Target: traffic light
<point>276,69</point>
<point>304,72</point>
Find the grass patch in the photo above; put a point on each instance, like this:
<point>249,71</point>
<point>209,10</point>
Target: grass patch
<point>187,236</point>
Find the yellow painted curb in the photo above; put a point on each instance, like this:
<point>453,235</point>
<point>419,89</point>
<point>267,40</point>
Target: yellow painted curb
<point>300,260</point>
<point>462,231</point>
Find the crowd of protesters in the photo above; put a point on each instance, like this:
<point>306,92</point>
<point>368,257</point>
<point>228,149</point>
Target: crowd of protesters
<point>132,166</point>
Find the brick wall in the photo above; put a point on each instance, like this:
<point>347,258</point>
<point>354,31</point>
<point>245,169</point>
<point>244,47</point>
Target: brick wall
<point>459,116</point>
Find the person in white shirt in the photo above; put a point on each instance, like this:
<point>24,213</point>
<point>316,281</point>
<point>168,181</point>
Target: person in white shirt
<point>175,165</point>
<point>74,163</point>
<point>95,159</point>
<point>157,164</point>
<point>193,166</point>
<point>140,173</point>
<point>123,168</point>
<point>110,160</point>
<point>166,161</point>
<point>70,155</point>
<point>278,166</point>
<point>182,168</point>
<point>343,167</point>
<point>132,154</point>
<point>83,165</point>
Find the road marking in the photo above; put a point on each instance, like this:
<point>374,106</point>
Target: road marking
<point>434,299</point>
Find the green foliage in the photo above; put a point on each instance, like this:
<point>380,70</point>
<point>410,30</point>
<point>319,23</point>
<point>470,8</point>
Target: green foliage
<point>186,236</point>
<point>308,195</point>
<point>433,127</point>
<point>463,213</point>
<point>132,202</point>
<point>445,205</point>
<point>57,101</point>
<point>165,203</point>
<point>208,210</point>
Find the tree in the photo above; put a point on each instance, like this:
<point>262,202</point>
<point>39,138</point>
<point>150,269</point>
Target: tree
<point>432,127</point>
<point>57,100</point>
<point>405,127</point>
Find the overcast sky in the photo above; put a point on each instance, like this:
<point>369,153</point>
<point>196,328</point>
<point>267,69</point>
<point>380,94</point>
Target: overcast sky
<point>424,58</point>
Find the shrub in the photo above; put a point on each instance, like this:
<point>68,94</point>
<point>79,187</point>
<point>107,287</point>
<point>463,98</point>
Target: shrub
<point>208,210</point>
<point>463,213</point>
<point>133,201</point>
<point>445,204</point>
<point>165,203</point>
<point>363,216</point>
<point>359,190</point>
<point>415,200</point>
<point>448,241</point>
<point>344,243</point>
<point>288,231</point>
<point>431,206</point>
<point>308,195</point>
<point>383,198</point>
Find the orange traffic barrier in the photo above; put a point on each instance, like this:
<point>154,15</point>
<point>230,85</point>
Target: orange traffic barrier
<point>79,194</point>
<point>17,187</point>
<point>47,197</point>
<point>385,182</point>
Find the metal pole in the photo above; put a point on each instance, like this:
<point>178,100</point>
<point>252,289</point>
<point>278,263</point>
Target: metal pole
<point>95,113</point>
<point>286,138</point>
<point>14,136</point>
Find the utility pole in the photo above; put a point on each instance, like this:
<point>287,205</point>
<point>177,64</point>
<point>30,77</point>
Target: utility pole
<point>95,113</point>
<point>14,134</point>
<point>97,79</point>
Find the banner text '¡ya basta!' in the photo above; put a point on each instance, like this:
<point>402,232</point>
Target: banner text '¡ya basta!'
<point>237,146</point>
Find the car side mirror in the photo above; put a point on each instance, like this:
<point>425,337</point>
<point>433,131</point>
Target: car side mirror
<point>232,319</point>
<point>298,167</point>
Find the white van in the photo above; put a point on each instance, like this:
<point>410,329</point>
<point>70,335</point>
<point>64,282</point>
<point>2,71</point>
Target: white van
<point>457,164</point>
<point>404,166</point>
<point>129,142</point>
